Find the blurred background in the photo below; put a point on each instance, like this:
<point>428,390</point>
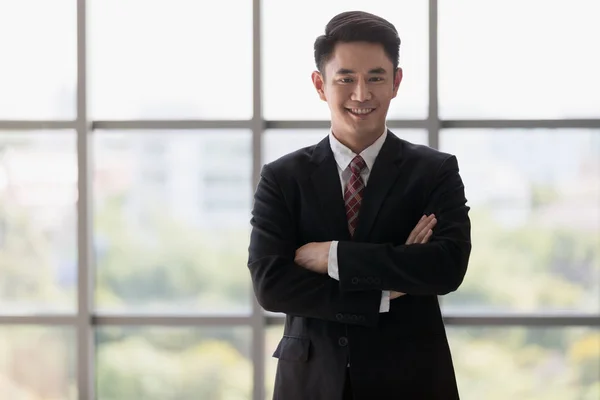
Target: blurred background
<point>131,137</point>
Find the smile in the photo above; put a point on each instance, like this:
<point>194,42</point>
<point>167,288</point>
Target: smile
<point>360,111</point>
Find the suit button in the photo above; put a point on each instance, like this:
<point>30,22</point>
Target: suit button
<point>354,317</point>
<point>370,280</point>
<point>377,281</point>
<point>339,317</point>
<point>343,341</point>
<point>355,281</point>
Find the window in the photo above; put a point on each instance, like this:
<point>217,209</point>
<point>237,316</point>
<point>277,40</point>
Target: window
<point>38,73</point>
<point>51,375</point>
<point>529,363</point>
<point>162,248</point>
<point>127,172</point>
<point>535,211</point>
<point>152,60</point>
<point>38,194</point>
<point>519,60</point>
<point>183,363</point>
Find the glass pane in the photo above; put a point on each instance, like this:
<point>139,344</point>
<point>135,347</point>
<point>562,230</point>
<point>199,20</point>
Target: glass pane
<point>171,221</point>
<point>288,64</point>
<point>38,74</point>
<point>272,338</point>
<point>38,225</point>
<point>37,363</point>
<point>174,363</point>
<point>519,59</point>
<point>526,363</point>
<point>535,198</point>
<point>279,142</point>
<point>170,59</point>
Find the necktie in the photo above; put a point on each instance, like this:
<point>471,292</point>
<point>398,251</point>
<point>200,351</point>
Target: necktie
<point>353,194</point>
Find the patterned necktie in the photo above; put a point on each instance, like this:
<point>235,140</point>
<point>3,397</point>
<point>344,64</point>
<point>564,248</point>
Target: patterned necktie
<point>353,194</point>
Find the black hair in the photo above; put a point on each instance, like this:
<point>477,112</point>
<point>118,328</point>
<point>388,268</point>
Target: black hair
<point>357,26</point>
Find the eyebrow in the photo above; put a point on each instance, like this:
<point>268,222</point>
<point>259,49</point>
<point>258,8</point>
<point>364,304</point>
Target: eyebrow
<point>345,71</point>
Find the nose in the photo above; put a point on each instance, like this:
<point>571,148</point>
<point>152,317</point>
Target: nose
<point>361,91</point>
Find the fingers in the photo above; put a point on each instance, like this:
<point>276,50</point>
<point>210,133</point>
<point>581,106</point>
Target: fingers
<point>425,224</point>
<point>427,236</point>
<point>413,234</point>
<point>426,231</point>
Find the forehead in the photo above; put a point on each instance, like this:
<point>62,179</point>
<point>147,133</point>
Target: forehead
<point>358,56</point>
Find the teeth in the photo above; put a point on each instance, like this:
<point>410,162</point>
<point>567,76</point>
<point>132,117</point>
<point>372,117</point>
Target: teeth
<point>361,110</point>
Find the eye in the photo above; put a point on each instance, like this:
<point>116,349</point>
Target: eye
<point>376,79</point>
<point>345,80</point>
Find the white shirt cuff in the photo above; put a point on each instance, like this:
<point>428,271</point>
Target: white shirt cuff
<point>384,306</point>
<point>332,263</point>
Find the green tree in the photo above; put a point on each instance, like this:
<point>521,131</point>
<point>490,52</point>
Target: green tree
<point>167,264</point>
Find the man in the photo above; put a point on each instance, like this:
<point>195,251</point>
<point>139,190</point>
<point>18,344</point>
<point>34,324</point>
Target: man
<point>343,242</point>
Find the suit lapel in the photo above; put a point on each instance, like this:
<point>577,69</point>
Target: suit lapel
<point>326,182</point>
<point>381,179</point>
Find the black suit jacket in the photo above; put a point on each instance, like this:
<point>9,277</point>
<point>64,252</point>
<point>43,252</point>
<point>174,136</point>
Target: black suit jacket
<point>402,354</point>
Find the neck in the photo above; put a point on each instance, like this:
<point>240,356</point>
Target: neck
<point>357,143</point>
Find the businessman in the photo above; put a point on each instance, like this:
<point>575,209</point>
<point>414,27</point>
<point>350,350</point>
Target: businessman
<point>355,238</point>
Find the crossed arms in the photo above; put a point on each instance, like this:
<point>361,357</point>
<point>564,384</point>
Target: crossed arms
<point>283,282</point>
<point>316,256</point>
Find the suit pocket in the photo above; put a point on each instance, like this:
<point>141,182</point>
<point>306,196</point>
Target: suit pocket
<point>291,348</point>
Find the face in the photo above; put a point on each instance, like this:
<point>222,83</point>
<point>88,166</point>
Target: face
<point>358,84</point>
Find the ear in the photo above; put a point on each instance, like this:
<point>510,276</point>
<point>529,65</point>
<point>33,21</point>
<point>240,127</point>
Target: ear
<point>397,80</point>
<point>319,83</point>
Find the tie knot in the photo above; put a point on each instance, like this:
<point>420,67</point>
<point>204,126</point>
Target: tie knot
<point>357,165</point>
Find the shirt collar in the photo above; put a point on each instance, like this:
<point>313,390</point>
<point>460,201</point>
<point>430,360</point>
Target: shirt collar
<point>343,155</point>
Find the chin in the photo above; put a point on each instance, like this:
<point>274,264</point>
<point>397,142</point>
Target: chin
<point>367,126</point>
<point>373,130</point>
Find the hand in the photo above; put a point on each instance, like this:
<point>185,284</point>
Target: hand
<point>420,235</point>
<point>423,231</point>
<point>314,256</point>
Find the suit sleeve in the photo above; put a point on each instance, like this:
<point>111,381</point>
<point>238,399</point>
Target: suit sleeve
<point>435,268</point>
<point>280,285</point>
<point>333,271</point>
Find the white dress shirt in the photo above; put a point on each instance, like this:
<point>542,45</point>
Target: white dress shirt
<point>343,156</point>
